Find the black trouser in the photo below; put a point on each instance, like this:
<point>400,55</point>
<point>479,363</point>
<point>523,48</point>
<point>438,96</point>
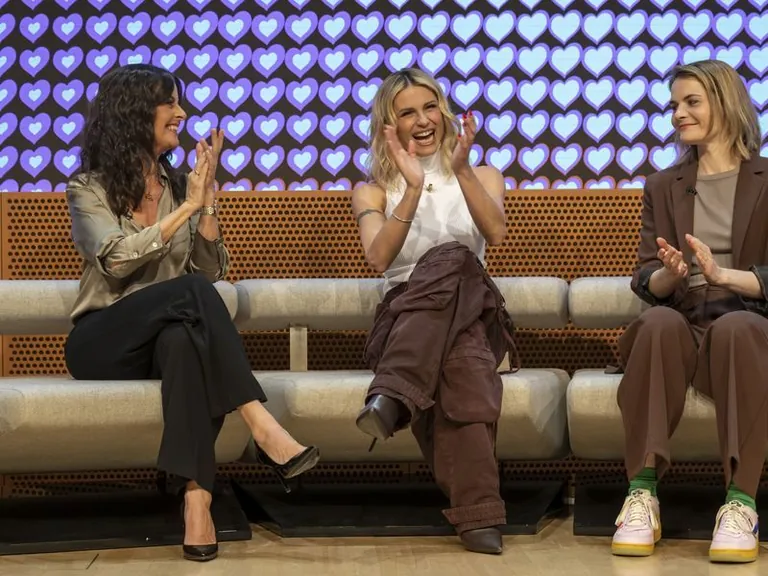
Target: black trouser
<point>180,331</point>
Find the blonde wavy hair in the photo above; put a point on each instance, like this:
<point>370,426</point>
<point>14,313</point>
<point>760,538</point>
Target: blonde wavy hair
<point>731,107</point>
<point>381,170</point>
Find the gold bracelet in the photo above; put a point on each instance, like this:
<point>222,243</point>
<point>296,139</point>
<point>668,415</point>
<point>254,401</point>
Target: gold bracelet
<point>403,220</point>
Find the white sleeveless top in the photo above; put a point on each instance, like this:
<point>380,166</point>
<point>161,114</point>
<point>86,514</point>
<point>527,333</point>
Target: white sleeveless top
<point>442,216</point>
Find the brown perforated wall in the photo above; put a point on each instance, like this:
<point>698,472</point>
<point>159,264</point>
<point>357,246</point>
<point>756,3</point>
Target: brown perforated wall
<point>312,234</point>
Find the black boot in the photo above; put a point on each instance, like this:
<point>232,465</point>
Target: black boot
<point>482,540</point>
<point>380,417</point>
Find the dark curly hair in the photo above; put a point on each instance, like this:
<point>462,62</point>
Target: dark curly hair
<point>119,135</point>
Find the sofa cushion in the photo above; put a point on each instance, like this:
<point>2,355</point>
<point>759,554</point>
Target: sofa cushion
<point>603,302</point>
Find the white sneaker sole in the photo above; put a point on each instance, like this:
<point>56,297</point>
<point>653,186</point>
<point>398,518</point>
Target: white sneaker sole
<point>636,550</point>
<point>733,556</point>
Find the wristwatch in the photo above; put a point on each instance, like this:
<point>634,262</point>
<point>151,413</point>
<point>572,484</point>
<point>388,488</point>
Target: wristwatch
<point>210,210</point>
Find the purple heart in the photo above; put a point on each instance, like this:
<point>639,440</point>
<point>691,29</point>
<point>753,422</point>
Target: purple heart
<point>177,157</point>
<point>630,93</point>
<point>363,92</point>
<point>466,59</point>
<point>333,60</point>
<point>496,92</point>
<point>630,59</point>
<point>360,158</point>
<point>32,3</point>
<point>8,185</point>
<point>598,158</point>
<point>266,4</point>
<point>301,60</point>
<point>7,24</point>
<point>566,158</point>
<point>140,55</point>
<point>301,160</point>
<point>531,126</point>
<point>566,125</point>
<point>100,61</point>
<point>367,27</point>
<point>333,94</point>
<point>234,61</point>
<point>134,27</point>
<point>728,26</point>
<point>200,61</point>
<point>432,26</point>
<point>757,27</point>
<point>632,125</point>
<point>132,4</point>
<point>301,127</point>
<point>309,184</point>
<point>301,93</point>
<point>695,26</point>
<point>531,159</point>
<point>100,27</point>
<point>166,28</point>
<point>500,125</point>
<point>169,59</point>
<point>267,160</point>
<point>597,126</point>
<point>630,159</point>
<point>400,26</point>
<point>267,94</point>
<point>301,26</point>
<point>34,128</point>
<point>199,28</point>
<point>498,60</point>
<point>34,161</point>
<point>233,4</point>
<point>243,185</point>
<point>630,26</point>
<point>598,92</point>
<point>234,27</point>
<point>267,60</point>
<point>7,92</point>
<point>638,183</point>
<point>99,4</point>
<point>598,58</point>
<point>32,61</point>
<point>733,55</point>
<point>758,90</point>
<point>334,127</point>
<point>235,160</point>
<point>341,184</point>
<point>67,161</point>
<point>67,95</point>
<point>467,93</point>
<point>531,92</point>
<point>41,186</point>
<point>165,4</point>
<point>434,59</point>
<point>334,27</point>
<point>8,125</point>
<point>266,28</point>
<point>540,183</point>
<point>757,59</point>
<point>235,127</point>
<point>200,94</point>
<point>661,125</point>
<point>334,159</point>
<point>67,128</point>
<point>233,94</point>
<point>200,126</point>
<point>501,157</point>
<point>574,183</point>
<point>663,26</point>
<point>276,184</point>
<point>8,158</point>
<point>35,94</point>
<point>33,28</point>
<point>267,127</point>
<point>562,59</point>
<point>67,61</point>
<point>662,59</point>
<point>91,91</point>
<point>606,183</point>
<point>366,60</point>
<point>65,28</point>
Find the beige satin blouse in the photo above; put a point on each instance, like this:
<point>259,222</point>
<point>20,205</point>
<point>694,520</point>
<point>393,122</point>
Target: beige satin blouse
<point>121,256</point>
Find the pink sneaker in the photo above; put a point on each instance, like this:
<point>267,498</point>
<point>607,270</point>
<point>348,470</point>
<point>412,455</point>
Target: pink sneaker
<point>736,534</point>
<point>638,525</point>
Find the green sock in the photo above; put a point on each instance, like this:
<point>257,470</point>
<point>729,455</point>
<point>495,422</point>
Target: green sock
<point>735,494</point>
<point>645,480</point>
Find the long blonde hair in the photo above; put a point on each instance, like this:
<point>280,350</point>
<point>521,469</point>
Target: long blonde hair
<point>381,169</point>
<point>730,105</point>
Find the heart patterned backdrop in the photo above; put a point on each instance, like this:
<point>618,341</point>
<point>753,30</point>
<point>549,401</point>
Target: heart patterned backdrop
<point>567,93</point>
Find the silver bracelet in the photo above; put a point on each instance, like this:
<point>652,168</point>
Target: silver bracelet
<point>403,220</point>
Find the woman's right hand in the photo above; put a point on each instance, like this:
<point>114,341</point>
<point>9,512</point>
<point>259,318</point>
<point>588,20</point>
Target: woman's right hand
<point>672,258</point>
<point>404,160</point>
<point>196,179</point>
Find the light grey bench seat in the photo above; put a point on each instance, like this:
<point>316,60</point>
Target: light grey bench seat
<point>594,420</point>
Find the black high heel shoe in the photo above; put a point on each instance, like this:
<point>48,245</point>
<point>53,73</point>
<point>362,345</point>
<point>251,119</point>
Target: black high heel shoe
<point>303,461</point>
<point>197,552</point>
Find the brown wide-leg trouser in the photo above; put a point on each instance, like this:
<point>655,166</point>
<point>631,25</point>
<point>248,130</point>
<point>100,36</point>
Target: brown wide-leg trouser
<point>720,348</point>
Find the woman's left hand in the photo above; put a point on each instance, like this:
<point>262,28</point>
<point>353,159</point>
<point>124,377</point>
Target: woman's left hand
<point>460,159</point>
<point>709,268</point>
<point>217,143</point>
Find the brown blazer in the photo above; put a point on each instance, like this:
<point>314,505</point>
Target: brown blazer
<point>668,203</point>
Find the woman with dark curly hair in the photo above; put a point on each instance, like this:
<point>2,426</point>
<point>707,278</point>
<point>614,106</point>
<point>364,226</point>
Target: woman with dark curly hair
<point>147,308</point>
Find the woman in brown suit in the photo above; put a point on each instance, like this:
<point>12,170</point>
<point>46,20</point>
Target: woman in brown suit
<point>703,266</point>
